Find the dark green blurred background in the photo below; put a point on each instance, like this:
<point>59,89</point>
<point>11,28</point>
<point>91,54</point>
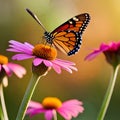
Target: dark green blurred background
<point>90,82</point>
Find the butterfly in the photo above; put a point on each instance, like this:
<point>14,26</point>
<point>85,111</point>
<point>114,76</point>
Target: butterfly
<point>68,36</point>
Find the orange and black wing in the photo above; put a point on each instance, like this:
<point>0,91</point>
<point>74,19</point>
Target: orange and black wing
<point>68,41</point>
<point>67,37</point>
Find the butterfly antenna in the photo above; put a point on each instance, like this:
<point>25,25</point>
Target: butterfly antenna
<point>35,17</point>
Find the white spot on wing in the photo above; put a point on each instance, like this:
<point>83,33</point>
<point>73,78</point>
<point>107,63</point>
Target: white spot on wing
<point>75,19</point>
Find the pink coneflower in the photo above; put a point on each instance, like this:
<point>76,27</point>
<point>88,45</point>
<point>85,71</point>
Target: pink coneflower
<point>111,52</point>
<point>41,54</point>
<point>7,68</point>
<point>51,105</point>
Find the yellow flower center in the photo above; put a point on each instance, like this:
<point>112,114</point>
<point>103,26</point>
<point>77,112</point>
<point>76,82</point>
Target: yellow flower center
<point>45,52</point>
<point>3,59</point>
<point>51,103</point>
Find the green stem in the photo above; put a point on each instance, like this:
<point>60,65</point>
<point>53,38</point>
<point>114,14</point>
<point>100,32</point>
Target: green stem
<point>27,97</point>
<point>3,103</point>
<point>108,95</point>
<point>1,114</point>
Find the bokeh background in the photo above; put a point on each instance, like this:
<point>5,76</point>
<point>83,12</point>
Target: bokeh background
<point>89,84</point>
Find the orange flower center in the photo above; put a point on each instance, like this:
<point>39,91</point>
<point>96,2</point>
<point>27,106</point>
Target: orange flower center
<point>45,52</point>
<point>51,103</point>
<point>3,59</point>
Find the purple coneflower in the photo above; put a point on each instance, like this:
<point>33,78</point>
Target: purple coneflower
<point>41,54</point>
<point>111,52</point>
<point>7,68</point>
<point>51,105</point>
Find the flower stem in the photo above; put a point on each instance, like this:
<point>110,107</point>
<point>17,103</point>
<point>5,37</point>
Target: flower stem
<point>108,95</point>
<point>3,103</point>
<point>27,96</point>
<point>1,114</point>
<point>54,115</point>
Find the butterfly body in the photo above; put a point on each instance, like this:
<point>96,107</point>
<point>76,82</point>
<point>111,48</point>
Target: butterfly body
<point>49,37</point>
<point>68,36</point>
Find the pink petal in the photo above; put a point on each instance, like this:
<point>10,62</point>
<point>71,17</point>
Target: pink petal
<point>74,110</point>
<point>74,105</point>
<point>29,45</point>
<point>103,46</point>
<point>68,113</point>
<point>12,50</point>
<point>47,63</point>
<point>37,61</point>
<point>70,109</point>
<point>57,68</point>
<point>23,49</point>
<point>48,115</point>
<point>20,47</point>
<point>34,108</point>
<point>65,65</point>
<point>7,70</point>
<point>35,104</point>
<point>93,54</point>
<point>96,52</point>
<point>72,102</point>
<point>64,114</point>
<point>73,68</point>
<point>113,46</point>
<point>64,62</point>
<point>22,56</point>
<point>17,69</point>
<point>32,111</point>
<point>67,69</point>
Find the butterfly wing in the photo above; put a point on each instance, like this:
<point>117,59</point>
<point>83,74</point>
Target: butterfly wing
<point>67,37</point>
<point>68,41</point>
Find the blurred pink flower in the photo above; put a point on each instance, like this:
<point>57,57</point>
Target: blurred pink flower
<point>41,54</point>
<point>7,68</point>
<point>111,52</point>
<point>51,105</point>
